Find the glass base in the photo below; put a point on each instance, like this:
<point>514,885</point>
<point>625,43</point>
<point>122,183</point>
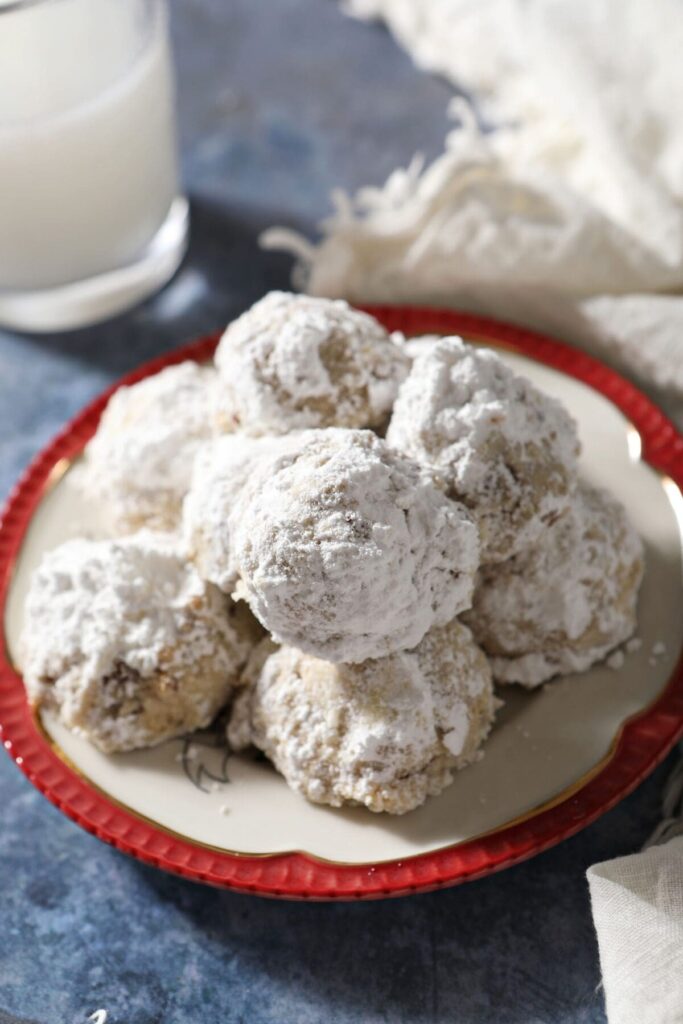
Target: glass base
<point>98,298</point>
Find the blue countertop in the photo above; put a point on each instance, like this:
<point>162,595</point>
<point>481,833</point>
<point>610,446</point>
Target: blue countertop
<point>279,101</point>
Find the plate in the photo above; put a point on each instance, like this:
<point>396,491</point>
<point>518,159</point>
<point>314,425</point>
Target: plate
<point>555,761</point>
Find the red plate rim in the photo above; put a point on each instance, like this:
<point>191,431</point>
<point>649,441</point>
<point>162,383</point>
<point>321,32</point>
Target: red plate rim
<point>643,742</point>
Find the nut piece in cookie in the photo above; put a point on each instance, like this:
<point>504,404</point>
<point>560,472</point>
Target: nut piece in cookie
<point>568,601</point>
<point>127,645</point>
<point>385,734</point>
<point>293,362</point>
<point>504,449</point>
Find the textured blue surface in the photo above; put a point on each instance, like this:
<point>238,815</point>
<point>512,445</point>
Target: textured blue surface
<point>280,100</point>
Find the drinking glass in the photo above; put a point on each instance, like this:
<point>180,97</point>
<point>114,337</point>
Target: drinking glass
<point>91,216</point>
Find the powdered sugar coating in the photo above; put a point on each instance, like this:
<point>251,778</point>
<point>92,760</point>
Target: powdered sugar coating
<point>127,644</point>
<point>293,362</point>
<point>568,601</point>
<point>139,463</point>
<point>416,345</point>
<point>348,550</point>
<point>505,449</point>
<point>386,734</point>
<point>221,470</point>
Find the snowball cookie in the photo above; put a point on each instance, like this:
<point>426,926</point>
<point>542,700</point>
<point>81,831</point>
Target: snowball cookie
<point>139,463</point>
<point>385,733</point>
<point>505,449</point>
<point>293,362</point>
<point>348,550</point>
<point>124,641</point>
<point>564,604</point>
<point>221,469</point>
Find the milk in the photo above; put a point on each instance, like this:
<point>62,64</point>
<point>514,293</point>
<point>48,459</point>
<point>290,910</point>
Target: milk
<point>88,166</point>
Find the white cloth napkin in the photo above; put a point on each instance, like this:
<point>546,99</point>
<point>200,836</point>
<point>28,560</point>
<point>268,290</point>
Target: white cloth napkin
<point>569,216</point>
<point>637,906</point>
<point>638,914</point>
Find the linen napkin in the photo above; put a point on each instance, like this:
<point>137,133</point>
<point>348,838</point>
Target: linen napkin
<point>568,217</point>
<point>638,913</point>
<point>637,906</point>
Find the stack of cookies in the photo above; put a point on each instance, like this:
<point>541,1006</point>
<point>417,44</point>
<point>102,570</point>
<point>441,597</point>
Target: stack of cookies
<point>345,540</point>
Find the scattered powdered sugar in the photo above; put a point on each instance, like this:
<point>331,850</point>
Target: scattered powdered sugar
<point>138,464</point>
<point>616,660</point>
<point>633,645</point>
<point>657,651</point>
<point>505,449</point>
<point>293,362</point>
<point>386,733</point>
<point>568,601</point>
<point>110,625</point>
<point>221,469</point>
<point>348,550</point>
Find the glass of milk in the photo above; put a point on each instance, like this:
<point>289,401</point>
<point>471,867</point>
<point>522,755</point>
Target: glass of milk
<point>91,217</point>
